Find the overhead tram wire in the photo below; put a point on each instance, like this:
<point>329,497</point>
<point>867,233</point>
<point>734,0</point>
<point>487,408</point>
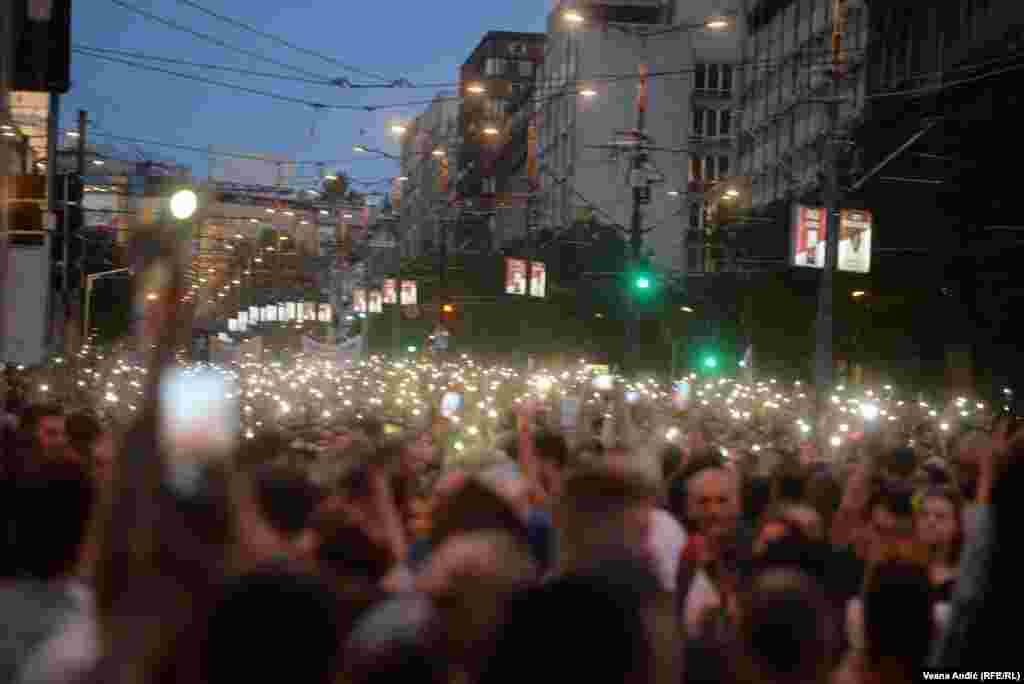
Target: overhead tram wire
<point>216,41</point>
<point>281,41</point>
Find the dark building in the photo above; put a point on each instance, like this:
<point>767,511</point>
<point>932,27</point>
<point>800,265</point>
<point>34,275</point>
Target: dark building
<point>943,116</point>
<point>497,86</point>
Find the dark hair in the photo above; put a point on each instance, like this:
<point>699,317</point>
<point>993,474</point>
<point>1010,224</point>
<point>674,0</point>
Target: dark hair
<point>347,551</point>
<point>83,430</point>
<point>475,507</point>
<point>240,647</point>
<point>900,462</point>
<point>896,498</point>
<point>898,626</point>
<point>671,458</point>
<point>34,415</point>
<point>787,632</point>
<point>789,481</point>
<point>286,498</point>
<point>53,508</point>
<point>951,495</point>
<point>552,447</point>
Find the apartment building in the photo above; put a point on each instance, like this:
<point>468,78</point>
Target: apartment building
<point>587,113</point>
<point>427,147</point>
<point>783,119</point>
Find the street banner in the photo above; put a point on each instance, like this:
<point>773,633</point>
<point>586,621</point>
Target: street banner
<point>289,308</point>
<point>254,315</point>
<point>515,276</point>
<point>309,311</point>
<point>531,156</point>
<point>359,300</point>
<point>389,291</point>
<point>232,325</point>
<point>375,302</point>
<point>409,293</point>
<point>243,321</point>
<point>810,234</point>
<point>326,313</point>
<point>538,279</point>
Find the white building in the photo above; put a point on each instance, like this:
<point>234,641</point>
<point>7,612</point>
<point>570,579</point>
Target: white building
<point>428,143</point>
<point>588,98</point>
<point>783,121</point>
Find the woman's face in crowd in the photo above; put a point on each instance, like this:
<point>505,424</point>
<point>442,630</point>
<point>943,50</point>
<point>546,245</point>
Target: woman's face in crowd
<point>420,453</point>
<point>936,521</point>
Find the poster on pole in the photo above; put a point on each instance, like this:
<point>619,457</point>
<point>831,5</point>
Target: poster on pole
<point>409,293</point>
<point>515,276</point>
<point>389,291</point>
<point>326,313</point>
<point>359,300</point>
<point>375,302</point>
<point>309,311</point>
<point>810,235</point>
<point>538,279</point>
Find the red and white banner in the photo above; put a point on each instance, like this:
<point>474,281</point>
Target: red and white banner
<point>389,291</point>
<point>516,277</point>
<point>538,279</point>
<point>409,293</point>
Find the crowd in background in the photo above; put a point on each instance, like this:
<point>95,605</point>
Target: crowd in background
<point>644,540</point>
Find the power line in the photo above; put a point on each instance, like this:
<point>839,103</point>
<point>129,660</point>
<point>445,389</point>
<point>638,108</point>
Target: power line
<point>281,41</point>
<point>199,65</point>
<point>212,39</point>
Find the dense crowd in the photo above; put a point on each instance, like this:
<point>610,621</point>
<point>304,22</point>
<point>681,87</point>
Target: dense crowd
<point>466,522</point>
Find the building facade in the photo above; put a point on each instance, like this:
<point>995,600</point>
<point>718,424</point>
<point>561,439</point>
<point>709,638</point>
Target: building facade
<point>787,57</point>
<point>428,145</point>
<point>588,112</point>
<point>497,84</point>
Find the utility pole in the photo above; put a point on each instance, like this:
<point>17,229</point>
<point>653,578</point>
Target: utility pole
<point>638,181</point>
<point>823,328</point>
<point>52,129</point>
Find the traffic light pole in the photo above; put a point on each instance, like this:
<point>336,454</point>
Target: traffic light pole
<point>636,234</point>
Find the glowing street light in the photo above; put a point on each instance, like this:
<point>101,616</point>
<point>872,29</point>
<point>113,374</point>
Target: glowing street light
<point>183,204</point>
<point>732,193</point>
<point>717,23</point>
<point>686,309</point>
<point>588,92</point>
<point>438,152</point>
<point>476,89</point>
<point>857,294</point>
<point>491,130</point>
<point>573,16</point>
<point>398,129</point>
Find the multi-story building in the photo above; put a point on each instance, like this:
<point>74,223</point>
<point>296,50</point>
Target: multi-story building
<point>497,86</point>
<point>588,112</point>
<point>785,80</point>
<point>429,143</point>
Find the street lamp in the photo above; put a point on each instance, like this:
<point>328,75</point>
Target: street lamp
<point>717,23</point>
<point>184,204</point>
<point>686,309</point>
<point>491,130</point>
<point>476,89</point>
<point>588,93</point>
<point>438,152</point>
<point>732,193</point>
<point>398,129</point>
<point>573,16</point>
<point>857,294</point>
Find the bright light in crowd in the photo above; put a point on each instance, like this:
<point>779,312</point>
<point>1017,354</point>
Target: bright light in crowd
<point>151,296</point>
<point>732,193</point>
<point>686,309</point>
<point>836,441</point>
<point>183,204</point>
<point>869,411</point>
<point>544,384</point>
<point>944,426</point>
<point>672,434</point>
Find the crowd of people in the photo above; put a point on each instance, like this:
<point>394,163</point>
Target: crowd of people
<point>544,525</point>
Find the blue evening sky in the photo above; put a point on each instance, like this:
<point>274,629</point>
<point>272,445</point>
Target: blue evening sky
<point>418,40</point>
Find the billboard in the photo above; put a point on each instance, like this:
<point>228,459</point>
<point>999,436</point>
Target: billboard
<point>515,276</point>
<point>389,291</point>
<point>810,233</point>
<point>375,302</point>
<point>359,300</point>
<point>409,294</point>
<point>538,279</point>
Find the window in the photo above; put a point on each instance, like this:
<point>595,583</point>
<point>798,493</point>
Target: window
<point>517,49</point>
<point>712,123</point>
<point>495,66</point>
<point>725,122</point>
<point>713,76</point>
<point>723,166</point>
<point>727,78</point>
<point>526,69</point>
<point>698,121</point>
<point>700,77</point>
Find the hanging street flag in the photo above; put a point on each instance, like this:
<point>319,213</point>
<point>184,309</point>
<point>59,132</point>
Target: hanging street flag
<point>516,277</point>
<point>389,291</point>
<point>326,313</point>
<point>538,279</point>
<point>359,300</point>
<point>375,302</point>
<point>641,99</point>
<point>309,311</point>
<point>409,294</point>
<point>531,156</point>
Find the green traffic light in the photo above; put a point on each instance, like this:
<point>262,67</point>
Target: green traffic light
<point>643,283</point>
<point>711,362</point>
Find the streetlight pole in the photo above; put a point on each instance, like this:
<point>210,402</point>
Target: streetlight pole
<point>640,187</point>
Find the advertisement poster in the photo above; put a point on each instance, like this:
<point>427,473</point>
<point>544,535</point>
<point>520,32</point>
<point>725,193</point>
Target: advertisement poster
<point>326,313</point>
<point>538,279</point>
<point>409,294</point>
<point>232,325</point>
<point>375,302</point>
<point>270,313</point>
<point>309,311</point>
<point>515,276</point>
<point>359,300</point>
<point>810,232</point>
<point>855,241</point>
<point>243,320</point>
<point>289,309</point>
<point>254,315</point>
<point>389,291</point>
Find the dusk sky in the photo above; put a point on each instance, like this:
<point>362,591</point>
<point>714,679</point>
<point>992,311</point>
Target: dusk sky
<point>423,42</point>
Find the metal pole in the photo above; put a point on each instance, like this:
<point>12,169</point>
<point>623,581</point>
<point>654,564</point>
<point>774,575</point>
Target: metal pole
<point>823,328</point>
<point>636,235</point>
<point>52,126</point>
<point>83,124</point>
<point>88,306</point>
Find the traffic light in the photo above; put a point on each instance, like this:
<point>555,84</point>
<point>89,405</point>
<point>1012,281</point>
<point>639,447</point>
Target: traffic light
<point>642,282</point>
<point>710,362</point>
